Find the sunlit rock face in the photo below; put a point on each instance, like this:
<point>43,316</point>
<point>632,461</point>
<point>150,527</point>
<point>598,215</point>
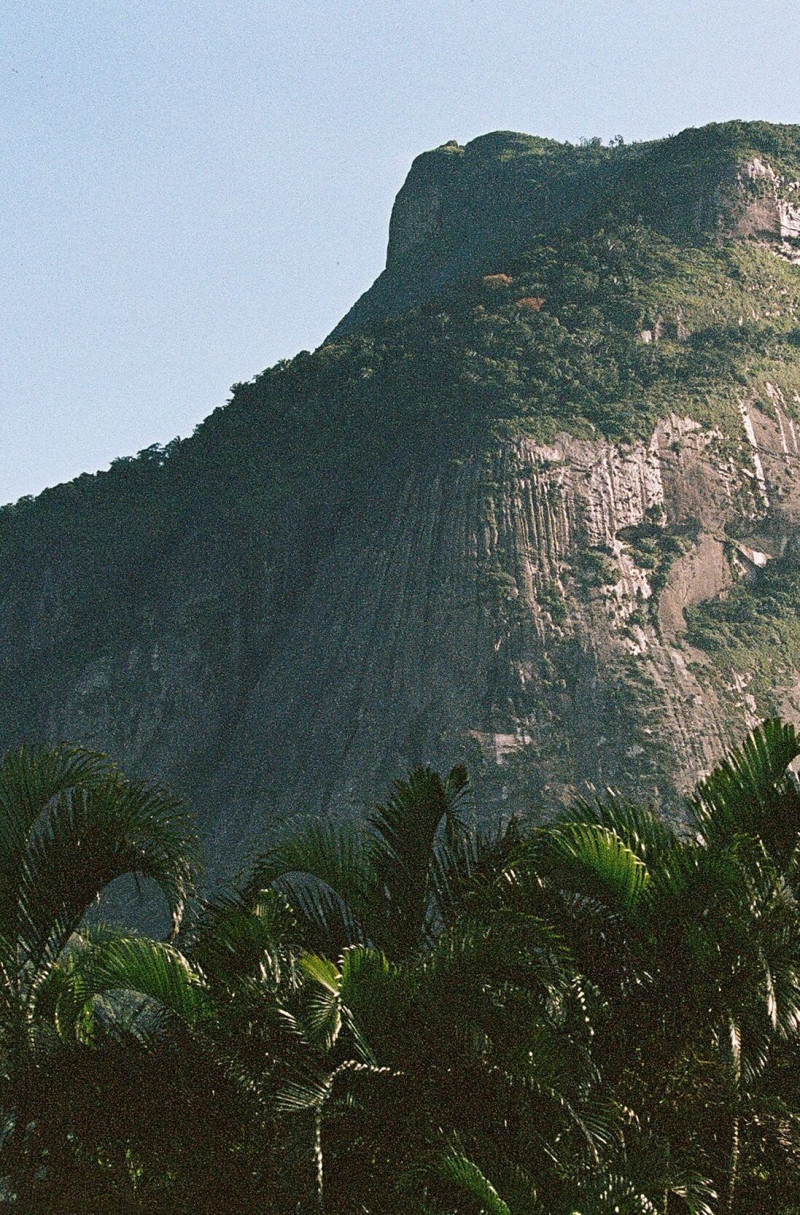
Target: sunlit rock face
<point>770,202</point>
<point>337,578</point>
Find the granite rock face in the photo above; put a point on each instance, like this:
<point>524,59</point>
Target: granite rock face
<point>517,605</point>
<point>771,209</point>
<point>491,610</point>
<point>461,208</point>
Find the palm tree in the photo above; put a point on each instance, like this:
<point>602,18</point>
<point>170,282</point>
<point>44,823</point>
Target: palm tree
<point>692,943</point>
<point>393,885</point>
<point>441,1004</point>
<point>480,1038</point>
<point>746,816</point>
<point>70,824</point>
<point>753,794</point>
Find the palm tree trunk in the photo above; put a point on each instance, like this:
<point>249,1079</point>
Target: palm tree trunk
<point>733,1167</point>
<point>318,1158</point>
<point>733,1163</point>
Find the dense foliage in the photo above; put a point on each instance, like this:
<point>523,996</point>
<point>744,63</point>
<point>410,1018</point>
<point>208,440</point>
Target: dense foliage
<point>598,1015</point>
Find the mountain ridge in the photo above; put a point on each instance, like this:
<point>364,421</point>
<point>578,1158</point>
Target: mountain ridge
<point>532,505</point>
<point>541,184</point>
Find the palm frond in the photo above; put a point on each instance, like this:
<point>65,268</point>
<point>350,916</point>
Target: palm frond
<point>234,939</point>
<point>457,1176</point>
<point>641,828</point>
<point>322,971</point>
<point>377,996</point>
<point>100,964</point>
<point>31,779</point>
<point>466,870</point>
<point>326,874</point>
<point>88,837</point>
<point>320,1018</point>
<point>305,1091</point>
<point>750,793</point>
<point>591,859</point>
<point>407,823</point>
<point>507,947</point>
<point>405,830</point>
<point>695,1190</point>
<point>605,1191</point>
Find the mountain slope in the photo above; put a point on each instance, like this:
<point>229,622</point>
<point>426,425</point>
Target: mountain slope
<point>534,505</point>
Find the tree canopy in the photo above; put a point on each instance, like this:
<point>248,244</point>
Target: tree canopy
<point>596,1014</point>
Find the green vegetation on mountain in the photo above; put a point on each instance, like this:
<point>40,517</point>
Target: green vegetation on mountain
<point>473,366</point>
<point>754,628</point>
<point>532,290</point>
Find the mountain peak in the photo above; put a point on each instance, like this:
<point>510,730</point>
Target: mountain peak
<point>460,208</point>
<point>545,523</point>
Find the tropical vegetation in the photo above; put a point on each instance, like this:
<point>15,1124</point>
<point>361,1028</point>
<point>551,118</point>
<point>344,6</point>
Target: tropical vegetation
<point>596,1014</point>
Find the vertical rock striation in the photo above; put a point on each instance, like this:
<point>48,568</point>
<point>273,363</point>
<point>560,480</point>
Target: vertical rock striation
<point>408,549</point>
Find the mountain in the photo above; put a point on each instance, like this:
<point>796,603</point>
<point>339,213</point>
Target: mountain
<point>533,505</point>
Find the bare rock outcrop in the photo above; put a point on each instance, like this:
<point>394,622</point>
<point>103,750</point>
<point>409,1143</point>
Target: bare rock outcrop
<point>497,611</point>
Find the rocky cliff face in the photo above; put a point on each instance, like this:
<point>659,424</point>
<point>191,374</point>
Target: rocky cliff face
<point>462,208</point>
<point>348,571</point>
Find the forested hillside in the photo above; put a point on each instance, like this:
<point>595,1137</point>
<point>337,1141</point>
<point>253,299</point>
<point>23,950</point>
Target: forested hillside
<point>532,506</point>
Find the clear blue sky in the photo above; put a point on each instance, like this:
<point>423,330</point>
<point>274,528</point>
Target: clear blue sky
<point>191,190</point>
